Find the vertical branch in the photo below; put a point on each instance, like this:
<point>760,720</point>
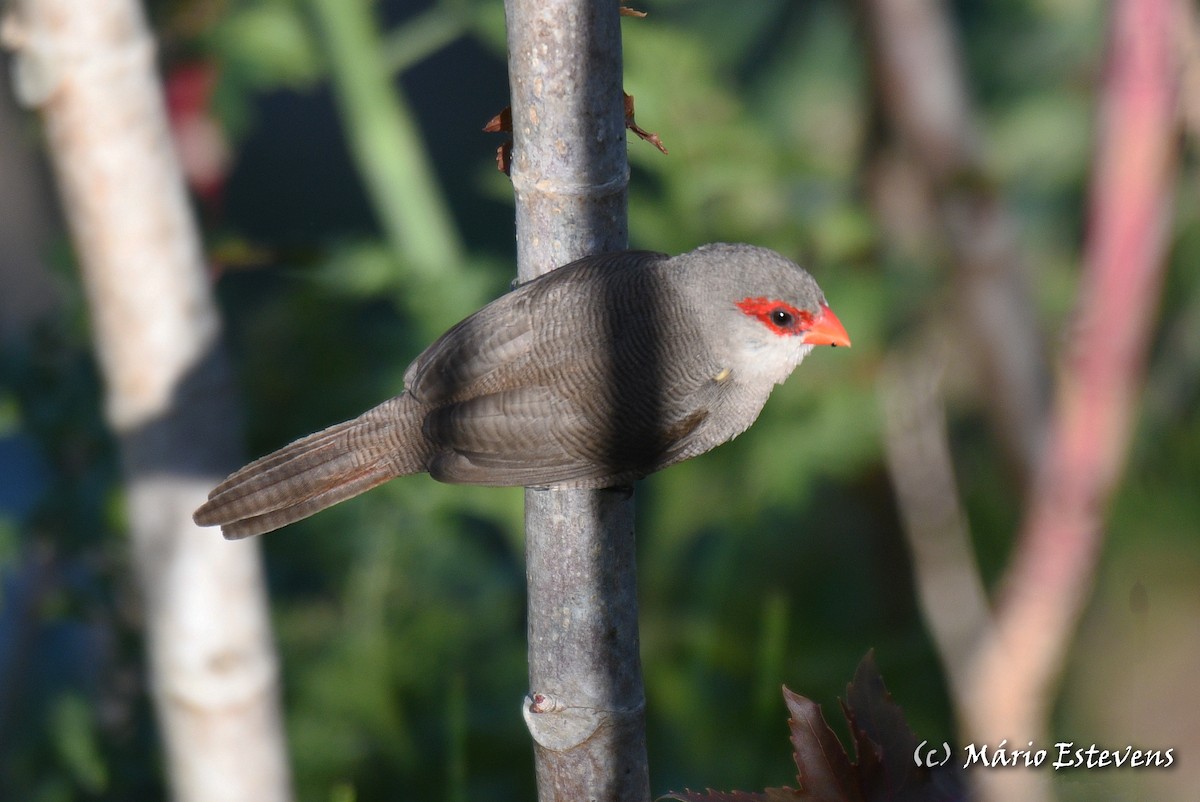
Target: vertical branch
<point>1045,588</point>
<point>90,70</point>
<point>569,172</point>
<point>919,84</point>
<point>569,168</point>
<point>952,596</point>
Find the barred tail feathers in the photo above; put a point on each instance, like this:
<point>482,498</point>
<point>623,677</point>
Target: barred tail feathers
<point>318,471</point>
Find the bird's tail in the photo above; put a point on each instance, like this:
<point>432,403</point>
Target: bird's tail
<point>318,471</point>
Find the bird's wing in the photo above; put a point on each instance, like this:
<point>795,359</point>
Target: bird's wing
<point>490,351</point>
<point>574,378</point>
<point>525,436</point>
<point>476,356</point>
<point>540,435</point>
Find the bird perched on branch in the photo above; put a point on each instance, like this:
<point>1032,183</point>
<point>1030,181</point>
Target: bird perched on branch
<point>593,375</point>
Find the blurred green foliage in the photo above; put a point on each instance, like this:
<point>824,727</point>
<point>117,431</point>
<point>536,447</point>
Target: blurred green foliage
<point>776,559</point>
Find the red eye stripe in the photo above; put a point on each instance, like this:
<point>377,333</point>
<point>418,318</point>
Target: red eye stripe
<point>779,316</point>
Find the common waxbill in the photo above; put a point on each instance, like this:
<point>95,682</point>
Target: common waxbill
<point>593,375</point>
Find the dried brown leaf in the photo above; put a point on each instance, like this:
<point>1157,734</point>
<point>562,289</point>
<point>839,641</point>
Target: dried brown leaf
<point>631,124</point>
<point>501,123</point>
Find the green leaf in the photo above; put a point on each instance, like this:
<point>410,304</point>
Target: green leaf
<point>268,45</point>
<point>75,740</point>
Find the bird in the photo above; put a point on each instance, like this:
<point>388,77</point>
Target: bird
<point>593,375</point>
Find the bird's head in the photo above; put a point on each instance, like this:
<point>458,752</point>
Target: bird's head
<point>772,309</point>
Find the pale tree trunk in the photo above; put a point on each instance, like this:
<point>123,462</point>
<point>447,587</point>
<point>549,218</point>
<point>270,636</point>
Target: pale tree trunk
<point>90,70</point>
<point>586,708</point>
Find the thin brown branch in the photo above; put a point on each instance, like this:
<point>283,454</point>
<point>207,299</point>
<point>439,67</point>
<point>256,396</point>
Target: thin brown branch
<point>952,597</point>
<point>921,93</point>
<point>1188,42</point>
<point>1047,585</point>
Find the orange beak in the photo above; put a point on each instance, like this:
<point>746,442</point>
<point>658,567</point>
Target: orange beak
<point>826,329</point>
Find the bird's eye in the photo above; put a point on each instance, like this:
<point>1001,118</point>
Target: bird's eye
<point>782,318</point>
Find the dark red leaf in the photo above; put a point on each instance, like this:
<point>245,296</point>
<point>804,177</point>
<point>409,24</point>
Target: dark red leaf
<point>886,770</point>
<point>885,744</point>
<point>824,770</point>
